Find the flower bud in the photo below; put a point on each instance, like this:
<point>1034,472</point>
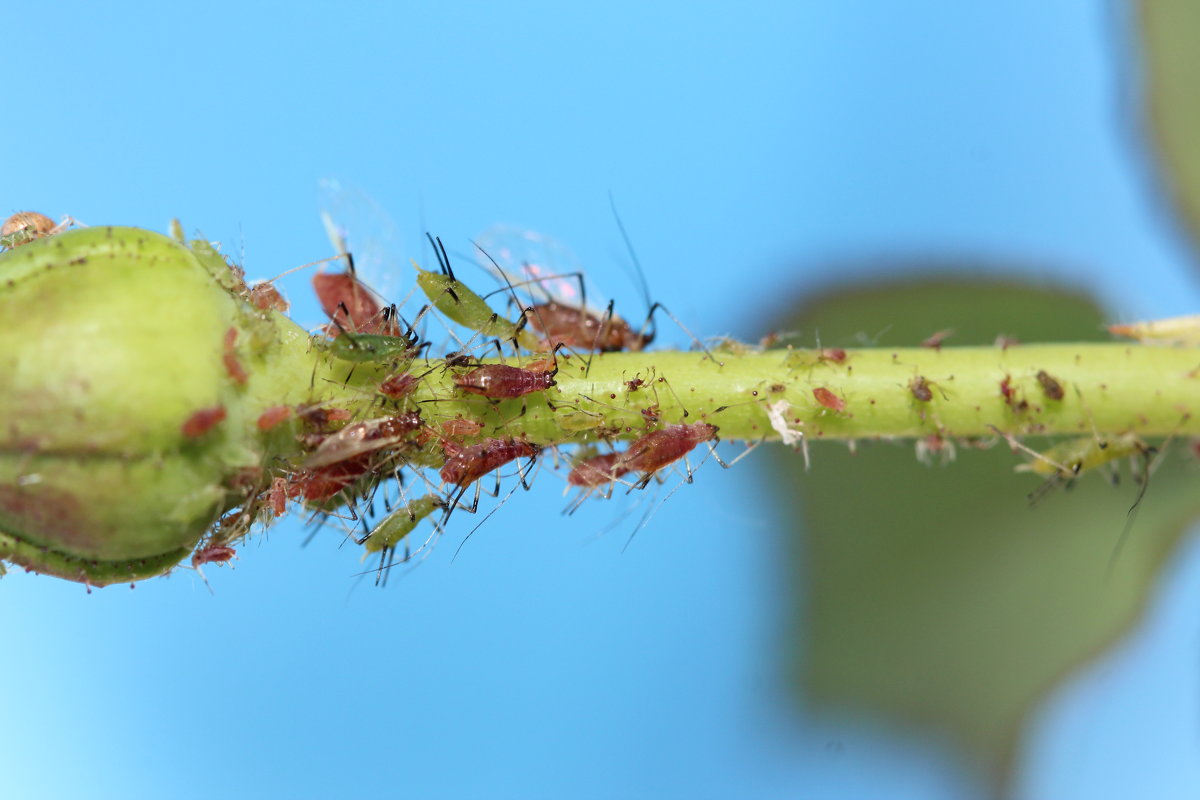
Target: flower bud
<point>132,371</point>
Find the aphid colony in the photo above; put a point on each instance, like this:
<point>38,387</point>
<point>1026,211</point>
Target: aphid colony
<point>349,462</point>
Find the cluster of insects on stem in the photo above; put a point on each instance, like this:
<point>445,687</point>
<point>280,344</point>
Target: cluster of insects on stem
<point>384,471</point>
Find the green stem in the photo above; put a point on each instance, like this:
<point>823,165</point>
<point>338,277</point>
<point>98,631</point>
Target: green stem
<point>1106,388</point>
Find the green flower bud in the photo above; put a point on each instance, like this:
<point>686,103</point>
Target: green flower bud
<point>132,373</point>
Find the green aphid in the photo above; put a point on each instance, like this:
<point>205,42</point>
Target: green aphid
<point>458,302</point>
<point>374,347</point>
<point>400,523</point>
<point>1076,456</point>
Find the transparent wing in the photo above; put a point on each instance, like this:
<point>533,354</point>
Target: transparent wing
<point>537,265</point>
<point>358,224</point>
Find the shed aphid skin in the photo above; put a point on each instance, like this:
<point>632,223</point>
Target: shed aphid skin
<point>1050,385</point>
<point>1172,331</point>
<point>934,342</point>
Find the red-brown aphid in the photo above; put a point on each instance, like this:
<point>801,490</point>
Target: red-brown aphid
<point>202,421</point>
<point>634,384</point>
<point>400,385</point>
<point>500,381</point>
<point>461,427</point>
<point>279,496</point>
<point>273,416</point>
<point>920,389</point>
<point>663,447</point>
<point>213,554</point>
<point>835,355</point>
<point>597,471</point>
<point>351,306</point>
<point>465,465</point>
<point>1051,387</point>
<point>934,342</point>
<point>320,416</point>
<point>363,437</point>
<point>232,365</point>
<point>829,399</point>
<point>265,297</point>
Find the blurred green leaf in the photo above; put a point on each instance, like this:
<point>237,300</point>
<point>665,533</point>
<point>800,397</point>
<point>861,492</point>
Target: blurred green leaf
<point>936,595</point>
<point>1169,31</point>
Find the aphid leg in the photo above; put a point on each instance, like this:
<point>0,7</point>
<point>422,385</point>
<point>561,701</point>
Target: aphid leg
<point>1017,445</point>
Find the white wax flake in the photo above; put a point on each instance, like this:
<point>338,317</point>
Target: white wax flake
<point>777,414</point>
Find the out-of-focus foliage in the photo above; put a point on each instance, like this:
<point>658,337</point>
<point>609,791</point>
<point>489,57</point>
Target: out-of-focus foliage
<point>939,596</point>
<point>1171,61</point>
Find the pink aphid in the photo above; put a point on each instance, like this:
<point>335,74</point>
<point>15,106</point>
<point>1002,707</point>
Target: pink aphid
<point>213,554</point>
<point>265,297</point>
<point>202,421</point>
<point>232,365</point>
<point>399,385</point>
<point>363,437</point>
<point>597,471</point>
<point>465,465</point>
<point>351,305</point>
<point>279,496</point>
<point>828,399</point>
<point>499,381</point>
<point>665,446</point>
<point>273,416</point>
<point>461,427</point>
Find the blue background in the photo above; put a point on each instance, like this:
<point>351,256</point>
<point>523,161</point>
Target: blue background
<point>750,149</point>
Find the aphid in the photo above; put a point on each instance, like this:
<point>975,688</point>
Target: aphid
<point>829,400</point>
<point>265,297</point>
<point>398,524</point>
<point>402,384</point>
<point>920,389</point>
<point>500,381</point>
<point>202,421</point>
<point>279,496</point>
<point>465,465</point>
<point>273,416</point>
<point>663,447</point>
<point>550,273</point>
<point>832,355</point>
<point>462,305</point>
<point>374,347</point>
<point>351,306</point>
<point>634,384</point>
<point>596,471</point>
<point>1051,387</point>
<point>218,554</point>
<point>934,342</point>
<point>461,427</point>
<point>1170,331</point>
<point>320,417</point>
<point>26,226</point>
<point>363,437</point>
<point>232,365</point>
<point>319,485</point>
<point>1010,395</point>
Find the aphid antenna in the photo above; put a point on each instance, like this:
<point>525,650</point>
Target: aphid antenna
<point>486,517</point>
<point>1152,457</point>
<point>640,275</point>
<point>527,310</point>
